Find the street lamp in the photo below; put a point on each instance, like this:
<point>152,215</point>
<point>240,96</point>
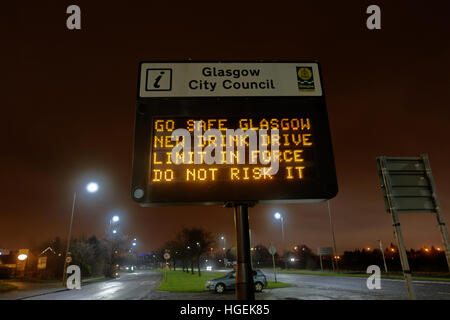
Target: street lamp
<point>22,257</point>
<point>91,187</point>
<point>115,219</point>
<point>224,242</point>
<point>279,216</point>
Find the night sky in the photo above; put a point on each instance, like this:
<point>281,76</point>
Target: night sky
<point>68,108</point>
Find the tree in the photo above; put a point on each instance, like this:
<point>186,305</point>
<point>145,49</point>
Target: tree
<point>175,248</point>
<point>307,259</point>
<point>261,255</point>
<point>197,243</point>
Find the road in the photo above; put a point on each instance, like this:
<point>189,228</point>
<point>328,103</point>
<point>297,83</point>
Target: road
<point>306,287</point>
<point>143,284</point>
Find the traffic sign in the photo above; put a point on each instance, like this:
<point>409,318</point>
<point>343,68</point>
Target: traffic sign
<point>166,256</point>
<point>42,263</point>
<point>272,250</point>
<point>191,112</point>
<point>323,251</point>
<point>410,187</point>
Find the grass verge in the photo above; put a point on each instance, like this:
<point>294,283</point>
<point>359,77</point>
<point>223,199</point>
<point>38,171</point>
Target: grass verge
<point>179,281</point>
<point>5,287</point>
<point>274,285</point>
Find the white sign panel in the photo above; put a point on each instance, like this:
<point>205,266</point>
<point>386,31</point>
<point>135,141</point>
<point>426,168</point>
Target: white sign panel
<point>229,79</point>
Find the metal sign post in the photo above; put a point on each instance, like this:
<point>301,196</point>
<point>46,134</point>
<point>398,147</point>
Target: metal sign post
<point>397,231</point>
<point>166,267</point>
<point>321,265</point>
<point>244,272</point>
<point>272,251</point>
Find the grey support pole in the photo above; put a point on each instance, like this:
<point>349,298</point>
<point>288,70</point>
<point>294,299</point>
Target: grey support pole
<point>244,272</point>
<point>321,265</point>
<point>68,240</point>
<point>333,236</point>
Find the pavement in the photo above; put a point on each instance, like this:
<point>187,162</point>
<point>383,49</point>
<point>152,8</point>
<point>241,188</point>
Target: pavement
<point>142,285</point>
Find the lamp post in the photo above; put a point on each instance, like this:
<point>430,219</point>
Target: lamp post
<point>279,216</point>
<point>333,236</point>
<point>113,228</point>
<point>133,251</point>
<point>92,187</point>
<point>224,240</point>
<point>382,253</point>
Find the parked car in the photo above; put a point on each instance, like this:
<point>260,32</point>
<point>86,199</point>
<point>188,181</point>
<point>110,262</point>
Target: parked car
<point>228,282</point>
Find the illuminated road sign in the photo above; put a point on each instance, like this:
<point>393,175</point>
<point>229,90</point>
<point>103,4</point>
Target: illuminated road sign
<point>281,104</point>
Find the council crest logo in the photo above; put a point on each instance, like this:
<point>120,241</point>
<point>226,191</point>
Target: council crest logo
<point>305,79</point>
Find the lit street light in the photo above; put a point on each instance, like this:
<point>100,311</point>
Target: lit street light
<point>114,231</point>
<point>91,187</point>
<point>22,257</point>
<point>115,218</point>
<point>224,241</point>
<point>279,216</point>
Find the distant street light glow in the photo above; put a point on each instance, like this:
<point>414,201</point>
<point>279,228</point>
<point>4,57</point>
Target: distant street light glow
<point>277,215</point>
<point>22,257</point>
<point>115,218</point>
<point>114,231</point>
<point>92,187</point>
